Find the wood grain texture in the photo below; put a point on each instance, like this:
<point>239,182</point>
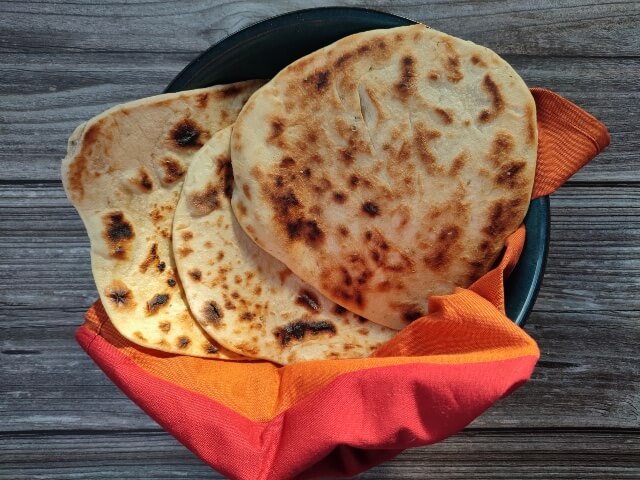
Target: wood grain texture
<point>587,304</point>
<point>475,453</point>
<point>35,124</point>
<point>45,259</point>
<point>49,383</point>
<point>566,27</point>
<point>65,61</point>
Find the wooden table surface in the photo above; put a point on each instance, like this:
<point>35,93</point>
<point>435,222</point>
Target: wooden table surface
<point>61,62</point>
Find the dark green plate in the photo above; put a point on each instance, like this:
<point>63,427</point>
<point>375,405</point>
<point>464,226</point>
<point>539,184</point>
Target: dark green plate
<point>263,49</point>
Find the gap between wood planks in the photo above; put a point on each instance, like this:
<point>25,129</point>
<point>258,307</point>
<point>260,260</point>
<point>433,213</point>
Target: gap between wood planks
<point>471,430</point>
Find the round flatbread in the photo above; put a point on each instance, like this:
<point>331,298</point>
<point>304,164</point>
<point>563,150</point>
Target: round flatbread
<point>243,297</point>
<point>123,172</point>
<point>387,167</point>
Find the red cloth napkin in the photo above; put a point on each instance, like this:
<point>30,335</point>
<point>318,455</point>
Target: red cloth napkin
<point>259,421</point>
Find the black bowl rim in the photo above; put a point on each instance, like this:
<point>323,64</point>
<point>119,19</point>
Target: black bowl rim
<point>262,26</point>
<point>540,205</point>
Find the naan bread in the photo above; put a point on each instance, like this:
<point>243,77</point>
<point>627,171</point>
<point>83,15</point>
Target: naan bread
<point>387,167</point>
<point>123,172</point>
<point>243,297</point>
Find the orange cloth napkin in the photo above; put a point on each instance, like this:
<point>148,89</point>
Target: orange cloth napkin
<point>339,417</point>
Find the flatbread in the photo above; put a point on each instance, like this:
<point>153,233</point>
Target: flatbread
<point>387,167</point>
<point>243,297</point>
<point>123,172</point>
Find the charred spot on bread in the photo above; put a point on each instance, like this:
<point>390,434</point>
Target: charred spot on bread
<point>186,134</point>
<point>120,295</point>
<point>307,230</point>
<point>156,302</point>
<point>195,274</point>
<point>212,313</point>
<point>118,234</point>
<point>308,300</point>
<point>371,209</point>
<point>299,329</point>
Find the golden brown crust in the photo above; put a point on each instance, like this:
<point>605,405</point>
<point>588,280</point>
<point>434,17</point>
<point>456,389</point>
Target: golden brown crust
<point>403,133</point>
<point>244,298</point>
<point>497,102</point>
<point>123,172</point>
<point>79,165</point>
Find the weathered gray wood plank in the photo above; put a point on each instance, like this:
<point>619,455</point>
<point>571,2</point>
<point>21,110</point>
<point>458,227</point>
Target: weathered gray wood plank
<point>477,453</point>
<point>581,381</point>
<point>64,61</point>
<point>594,260</point>
<point>567,27</point>
<point>35,122</point>
<point>585,319</point>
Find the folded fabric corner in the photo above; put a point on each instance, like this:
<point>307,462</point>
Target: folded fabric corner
<point>568,139</point>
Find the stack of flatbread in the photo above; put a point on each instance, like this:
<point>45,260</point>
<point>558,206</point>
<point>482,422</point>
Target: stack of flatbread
<point>311,216</point>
